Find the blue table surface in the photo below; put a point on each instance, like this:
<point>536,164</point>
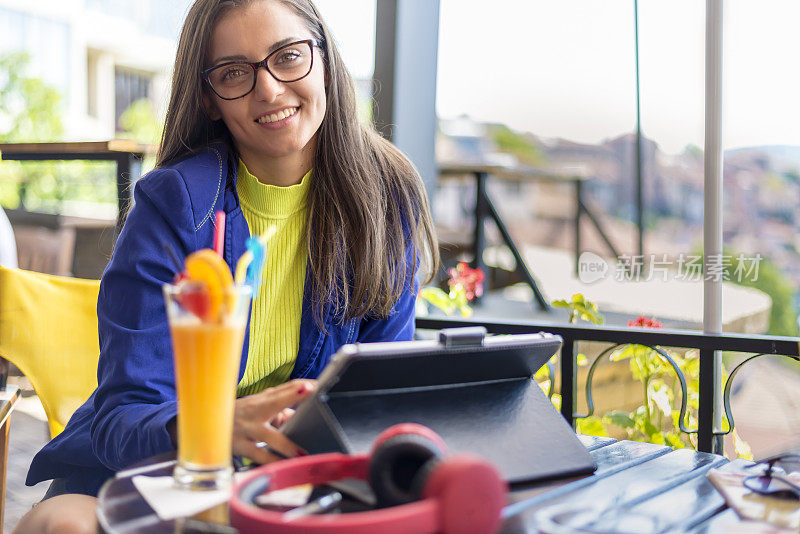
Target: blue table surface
<point>638,487</point>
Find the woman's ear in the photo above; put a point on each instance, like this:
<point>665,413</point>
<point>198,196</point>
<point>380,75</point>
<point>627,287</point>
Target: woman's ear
<point>210,107</point>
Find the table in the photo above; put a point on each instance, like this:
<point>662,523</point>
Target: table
<point>484,208</point>
<point>638,480</point>
<point>127,154</point>
<point>8,398</point>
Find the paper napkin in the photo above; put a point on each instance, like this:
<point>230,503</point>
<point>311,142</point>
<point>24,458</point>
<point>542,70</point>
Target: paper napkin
<point>170,502</point>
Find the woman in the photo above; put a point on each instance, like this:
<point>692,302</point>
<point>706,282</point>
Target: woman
<point>261,124</point>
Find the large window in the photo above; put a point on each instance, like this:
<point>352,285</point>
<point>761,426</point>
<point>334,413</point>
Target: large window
<point>554,87</point>
<point>129,86</point>
<point>552,84</point>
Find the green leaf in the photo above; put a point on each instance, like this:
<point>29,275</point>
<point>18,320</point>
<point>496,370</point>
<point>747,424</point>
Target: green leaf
<point>542,373</point>
<point>438,298</point>
<point>623,353</point>
<point>650,429</point>
<point>675,441</point>
<point>619,419</point>
<point>580,308</point>
<point>661,398</point>
<point>591,426</point>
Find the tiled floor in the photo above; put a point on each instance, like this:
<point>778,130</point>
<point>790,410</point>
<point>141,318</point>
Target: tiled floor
<point>28,434</point>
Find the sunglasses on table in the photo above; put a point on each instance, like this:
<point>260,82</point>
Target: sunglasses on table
<point>774,481</point>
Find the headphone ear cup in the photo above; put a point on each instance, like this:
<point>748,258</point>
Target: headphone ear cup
<point>469,492</point>
<point>395,465</point>
<point>423,475</point>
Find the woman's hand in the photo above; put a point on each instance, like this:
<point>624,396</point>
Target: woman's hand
<point>256,418</point>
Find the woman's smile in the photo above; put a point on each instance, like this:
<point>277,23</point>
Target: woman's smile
<point>281,116</point>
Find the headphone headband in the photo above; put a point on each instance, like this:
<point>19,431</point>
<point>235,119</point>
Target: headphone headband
<point>420,516</point>
<point>457,494</point>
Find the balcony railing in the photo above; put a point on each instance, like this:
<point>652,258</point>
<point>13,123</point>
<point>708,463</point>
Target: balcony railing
<point>709,438</point>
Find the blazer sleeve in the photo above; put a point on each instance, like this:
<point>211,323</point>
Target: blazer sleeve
<point>135,397</point>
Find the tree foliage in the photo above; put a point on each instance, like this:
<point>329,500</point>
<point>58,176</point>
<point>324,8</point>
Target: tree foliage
<point>30,110</point>
<point>770,280</point>
<point>513,143</point>
<point>140,122</point>
<point>767,278</point>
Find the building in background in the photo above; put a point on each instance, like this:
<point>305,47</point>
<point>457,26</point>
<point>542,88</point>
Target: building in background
<point>101,55</point>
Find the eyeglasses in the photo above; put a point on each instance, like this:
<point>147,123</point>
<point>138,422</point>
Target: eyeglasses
<point>236,79</point>
<point>775,484</point>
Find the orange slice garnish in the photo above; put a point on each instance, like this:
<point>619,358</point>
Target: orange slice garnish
<point>208,268</point>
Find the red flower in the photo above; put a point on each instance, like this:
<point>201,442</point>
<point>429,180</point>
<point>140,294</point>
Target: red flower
<point>469,279</point>
<point>643,321</point>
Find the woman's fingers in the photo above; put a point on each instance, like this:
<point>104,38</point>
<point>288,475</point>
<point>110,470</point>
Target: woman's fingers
<point>273,400</point>
<point>266,444</point>
<point>248,449</point>
<point>277,441</point>
<point>280,419</point>
<point>265,406</point>
<point>256,416</point>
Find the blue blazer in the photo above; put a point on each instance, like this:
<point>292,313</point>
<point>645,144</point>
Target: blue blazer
<point>125,419</point>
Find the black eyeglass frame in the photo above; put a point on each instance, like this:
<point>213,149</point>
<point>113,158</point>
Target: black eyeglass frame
<point>756,483</point>
<point>206,74</point>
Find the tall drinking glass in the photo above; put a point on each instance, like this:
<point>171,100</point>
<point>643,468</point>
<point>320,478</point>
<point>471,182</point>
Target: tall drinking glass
<point>207,335</point>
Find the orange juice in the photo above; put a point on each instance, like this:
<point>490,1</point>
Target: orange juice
<point>207,359</point>
<point>207,315</point>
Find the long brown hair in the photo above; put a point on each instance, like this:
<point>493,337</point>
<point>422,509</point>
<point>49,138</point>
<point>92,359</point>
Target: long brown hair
<point>367,204</point>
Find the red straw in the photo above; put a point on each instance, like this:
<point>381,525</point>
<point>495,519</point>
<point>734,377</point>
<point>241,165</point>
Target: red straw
<point>219,232</point>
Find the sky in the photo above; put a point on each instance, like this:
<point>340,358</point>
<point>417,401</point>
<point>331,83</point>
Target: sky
<point>565,68</point>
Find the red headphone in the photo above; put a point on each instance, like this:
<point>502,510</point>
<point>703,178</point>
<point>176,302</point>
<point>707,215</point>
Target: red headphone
<point>418,489</point>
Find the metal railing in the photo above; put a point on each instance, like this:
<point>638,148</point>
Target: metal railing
<point>709,438</point>
<point>485,209</point>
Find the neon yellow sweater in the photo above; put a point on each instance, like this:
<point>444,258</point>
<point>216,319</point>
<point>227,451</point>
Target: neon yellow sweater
<point>275,317</point>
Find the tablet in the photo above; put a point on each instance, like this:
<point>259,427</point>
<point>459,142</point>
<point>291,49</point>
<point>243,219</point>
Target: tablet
<point>476,391</point>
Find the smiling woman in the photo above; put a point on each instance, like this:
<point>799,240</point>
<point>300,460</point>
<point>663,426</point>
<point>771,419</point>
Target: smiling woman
<point>261,125</point>
<point>275,129</point>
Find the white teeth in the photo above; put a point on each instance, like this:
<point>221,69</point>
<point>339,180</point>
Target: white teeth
<point>279,116</point>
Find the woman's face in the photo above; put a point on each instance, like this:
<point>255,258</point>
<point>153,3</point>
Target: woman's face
<point>261,135</point>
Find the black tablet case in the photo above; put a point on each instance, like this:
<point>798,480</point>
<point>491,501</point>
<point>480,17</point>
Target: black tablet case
<point>478,394</point>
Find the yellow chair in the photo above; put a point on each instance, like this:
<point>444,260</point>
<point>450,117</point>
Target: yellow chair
<point>48,328</point>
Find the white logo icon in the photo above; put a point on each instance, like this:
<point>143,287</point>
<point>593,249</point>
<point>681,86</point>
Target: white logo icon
<point>591,268</point>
